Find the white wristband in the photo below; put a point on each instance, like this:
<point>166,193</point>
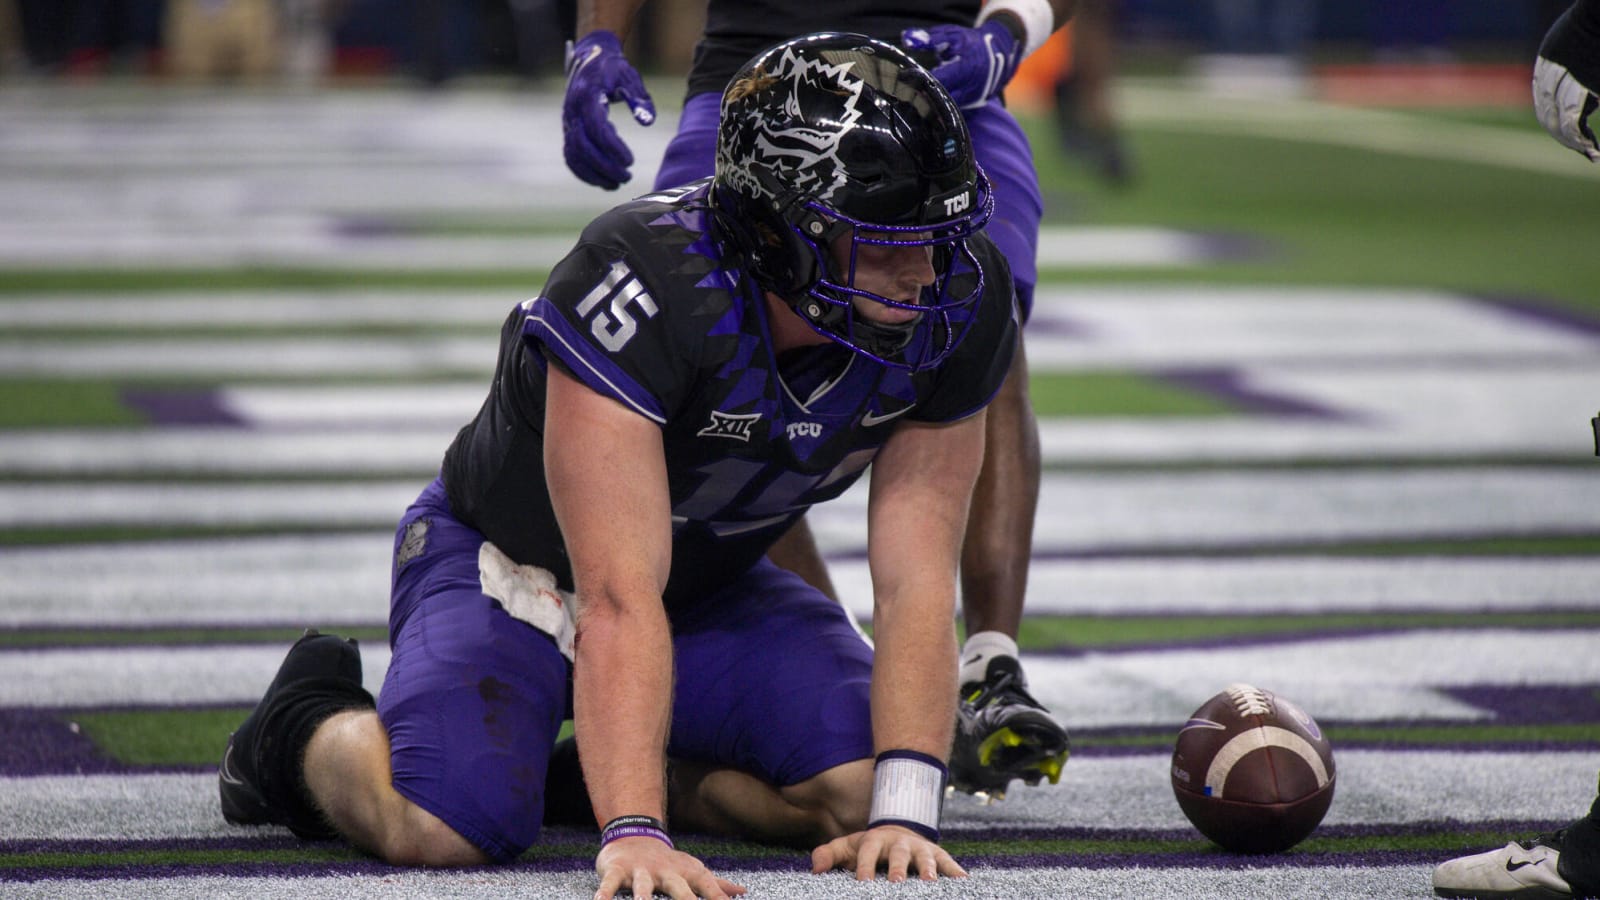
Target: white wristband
<point>908,790</point>
<point>1037,18</point>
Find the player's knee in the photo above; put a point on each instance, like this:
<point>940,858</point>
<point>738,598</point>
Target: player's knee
<point>416,837</point>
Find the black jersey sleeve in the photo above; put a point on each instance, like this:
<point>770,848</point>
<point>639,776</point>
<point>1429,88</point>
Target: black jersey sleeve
<point>605,320</point>
<point>969,379</point>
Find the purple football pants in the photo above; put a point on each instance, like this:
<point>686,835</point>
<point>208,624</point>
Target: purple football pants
<point>771,679</point>
<point>998,142</point>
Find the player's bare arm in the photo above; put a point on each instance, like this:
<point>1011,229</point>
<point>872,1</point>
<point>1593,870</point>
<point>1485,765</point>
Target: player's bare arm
<point>921,487</point>
<point>608,485</point>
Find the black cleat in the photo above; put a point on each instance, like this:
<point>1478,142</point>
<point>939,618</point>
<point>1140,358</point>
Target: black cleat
<point>244,779</point>
<point>1003,734</point>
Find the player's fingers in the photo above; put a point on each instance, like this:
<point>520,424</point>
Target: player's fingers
<point>827,856</point>
<point>644,886</point>
<point>674,886</point>
<point>867,857</point>
<point>948,867</point>
<point>899,861</point>
<point>609,882</point>
<point>730,888</point>
<point>927,862</point>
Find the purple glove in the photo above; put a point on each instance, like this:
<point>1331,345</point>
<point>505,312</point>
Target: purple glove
<point>974,63</point>
<point>597,76</point>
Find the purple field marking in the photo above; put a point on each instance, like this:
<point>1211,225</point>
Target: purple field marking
<point>1548,314</point>
<point>238,633</point>
<point>1228,385</point>
<point>37,742</point>
<point>200,406</point>
<point>1536,704</point>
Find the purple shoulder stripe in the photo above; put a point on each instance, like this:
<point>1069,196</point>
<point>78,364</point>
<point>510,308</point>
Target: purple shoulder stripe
<point>546,325</point>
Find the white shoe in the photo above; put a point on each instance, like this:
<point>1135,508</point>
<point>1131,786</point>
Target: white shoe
<point>1525,871</point>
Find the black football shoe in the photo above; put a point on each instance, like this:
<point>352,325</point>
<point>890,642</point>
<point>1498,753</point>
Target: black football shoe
<point>259,778</point>
<point>1003,734</point>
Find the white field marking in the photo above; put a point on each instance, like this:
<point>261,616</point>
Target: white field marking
<point>296,580</point>
<point>374,504</point>
<point>134,313</point>
<point>1281,585</point>
<point>322,241</point>
<point>1263,881</point>
<point>1127,510</point>
<point>299,580</point>
<point>1373,788</point>
<point>1444,410</point>
<point>408,406</point>
<point>297,357</point>
<point>1164,327</point>
<point>225,450</point>
<point>1077,511</point>
<point>1379,130</point>
<point>306,580</point>
<point>225,157</point>
<point>164,675</point>
<point>279,241</point>
<point>1360,678</point>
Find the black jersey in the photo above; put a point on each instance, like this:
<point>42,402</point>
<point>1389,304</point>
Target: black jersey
<point>643,311</point>
<point>736,30</point>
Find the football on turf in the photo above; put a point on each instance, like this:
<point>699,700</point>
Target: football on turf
<point>1252,771</point>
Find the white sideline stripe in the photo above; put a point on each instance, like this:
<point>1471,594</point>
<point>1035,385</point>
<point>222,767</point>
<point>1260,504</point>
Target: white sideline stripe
<point>190,451</point>
<point>1364,678</point>
<point>1204,509</point>
<point>372,504</point>
<point>1265,882</point>
<point>1441,411</point>
<point>174,675</point>
<point>1373,787</point>
<point>297,580</point>
<point>306,580</point>
<point>247,357</point>
<point>158,312</point>
<point>1144,327</point>
<point>1076,511</point>
<point>1384,131</point>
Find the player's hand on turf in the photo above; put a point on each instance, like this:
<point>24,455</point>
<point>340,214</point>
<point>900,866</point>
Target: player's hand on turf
<point>974,63</point>
<point>1565,78</point>
<point>902,850</point>
<point>598,75</point>
<point>649,866</point>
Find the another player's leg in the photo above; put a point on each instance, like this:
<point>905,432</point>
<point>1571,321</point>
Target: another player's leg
<point>1563,864</point>
<point>1002,733</point>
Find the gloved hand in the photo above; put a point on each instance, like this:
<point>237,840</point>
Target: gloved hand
<point>597,76</point>
<point>974,63</point>
<point>1564,81</point>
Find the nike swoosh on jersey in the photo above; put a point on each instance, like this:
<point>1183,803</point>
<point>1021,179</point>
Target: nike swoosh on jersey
<point>869,420</point>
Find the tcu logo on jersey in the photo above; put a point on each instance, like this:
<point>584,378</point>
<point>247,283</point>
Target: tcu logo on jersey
<point>615,326</point>
<point>958,203</point>
<point>804,429</point>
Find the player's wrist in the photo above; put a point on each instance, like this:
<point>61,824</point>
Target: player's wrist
<point>1030,21</point>
<point>908,791</point>
<point>634,826</point>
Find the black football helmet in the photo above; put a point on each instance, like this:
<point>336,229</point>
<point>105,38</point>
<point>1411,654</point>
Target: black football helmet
<point>830,135</point>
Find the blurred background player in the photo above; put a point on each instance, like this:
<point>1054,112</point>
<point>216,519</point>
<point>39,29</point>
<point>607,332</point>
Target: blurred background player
<point>1003,733</point>
<point>1565,863</point>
